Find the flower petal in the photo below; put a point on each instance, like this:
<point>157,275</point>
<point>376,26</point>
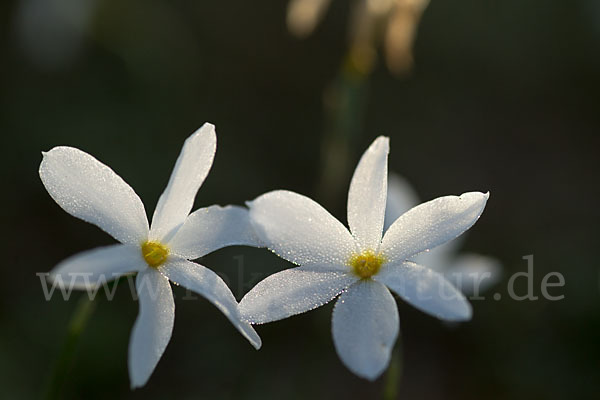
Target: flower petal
<point>153,327</point>
<point>190,170</point>
<point>211,228</point>
<point>210,285</point>
<point>91,191</point>
<point>292,291</point>
<point>89,269</point>
<point>401,197</point>
<point>367,195</point>
<point>365,326</point>
<point>473,273</point>
<point>432,223</point>
<point>301,231</point>
<point>426,290</point>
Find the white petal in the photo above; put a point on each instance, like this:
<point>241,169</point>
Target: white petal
<point>190,170</point>
<point>430,224</point>
<point>473,273</point>
<point>401,197</point>
<point>300,230</point>
<point>292,291</point>
<point>426,290</point>
<point>91,191</point>
<point>367,195</point>
<point>88,269</point>
<point>153,327</point>
<point>209,229</point>
<point>210,285</point>
<point>365,326</point>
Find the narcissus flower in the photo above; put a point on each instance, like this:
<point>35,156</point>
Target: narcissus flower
<point>360,263</point>
<point>392,22</point>
<point>472,273</point>
<point>91,191</point>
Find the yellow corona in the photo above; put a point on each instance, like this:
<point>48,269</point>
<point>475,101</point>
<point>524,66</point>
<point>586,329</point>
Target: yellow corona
<point>366,264</point>
<point>154,253</point>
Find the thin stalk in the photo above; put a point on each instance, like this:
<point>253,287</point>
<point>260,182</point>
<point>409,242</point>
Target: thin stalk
<point>393,376</point>
<point>83,311</point>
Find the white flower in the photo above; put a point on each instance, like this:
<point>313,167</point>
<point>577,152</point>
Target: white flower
<point>470,272</point>
<point>394,23</point>
<point>358,263</point>
<point>91,191</point>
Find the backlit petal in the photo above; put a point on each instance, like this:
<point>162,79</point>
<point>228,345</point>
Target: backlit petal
<point>211,228</point>
<point>367,195</point>
<point>430,224</point>
<point>210,285</point>
<point>91,191</point>
<point>300,230</point>
<point>190,170</point>
<point>365,326</point>
<point>292,291</point>
<point>153,327</point>
<point>426,290</point>
<point>88,269</point>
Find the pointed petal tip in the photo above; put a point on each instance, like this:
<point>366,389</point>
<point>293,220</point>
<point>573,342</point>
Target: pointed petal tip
<point>468,315</point>
<point>135,382</point>
<point>369,375</point>
<point>475,196</point>
<point>48,153</point>
<point>250,334</point>
<point>463,315</point>
<point>257,344</point>
<point>206,128</point>
<point>382,142</point>
<point>372,377</point>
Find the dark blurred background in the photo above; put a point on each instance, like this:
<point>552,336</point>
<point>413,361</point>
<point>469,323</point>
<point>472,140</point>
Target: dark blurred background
<point>503,96</point>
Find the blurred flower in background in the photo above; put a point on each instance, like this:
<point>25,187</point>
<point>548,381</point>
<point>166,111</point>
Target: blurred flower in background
<point>472,273</point>
<point>373,23</point>
<point>392,23</point>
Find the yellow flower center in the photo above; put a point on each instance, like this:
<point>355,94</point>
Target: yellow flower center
<point>366,264</point>
<point>155,253</point>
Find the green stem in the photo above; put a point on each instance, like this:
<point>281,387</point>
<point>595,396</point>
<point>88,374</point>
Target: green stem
<point>345,106</point>
<point>393,376</point>
<point>84,309</point>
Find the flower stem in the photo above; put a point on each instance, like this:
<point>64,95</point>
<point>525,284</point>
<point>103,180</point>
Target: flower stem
<point>84,309</point>
<point>345,106</point>
<point>393,376</point>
